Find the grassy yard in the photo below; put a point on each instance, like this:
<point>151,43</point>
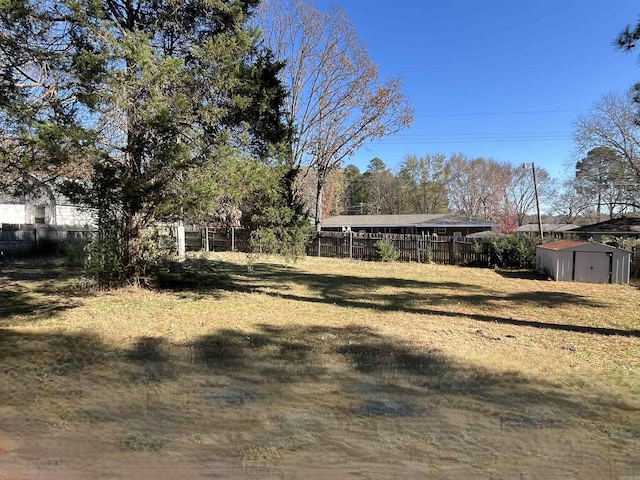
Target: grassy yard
<point>321,369</point>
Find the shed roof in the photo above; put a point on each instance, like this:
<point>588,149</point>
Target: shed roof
<point>419,220</point>
<point>569,244</point>
<point>563,245</point>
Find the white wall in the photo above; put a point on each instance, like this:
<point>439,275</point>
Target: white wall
<point>12,213</point>
<point>70,215</point>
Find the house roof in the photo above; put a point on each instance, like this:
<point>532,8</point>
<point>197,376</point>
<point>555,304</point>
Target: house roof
<point>485,234</point>
<point>547,227</point>
<point>616,225</point>
<point>441,220</point>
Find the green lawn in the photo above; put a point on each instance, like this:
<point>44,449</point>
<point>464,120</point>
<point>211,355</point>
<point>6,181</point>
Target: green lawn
<point>319,369</point>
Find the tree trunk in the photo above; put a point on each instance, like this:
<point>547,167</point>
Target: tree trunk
<point>289,180</point>
<point>319,192</point>
<point>133,255</point>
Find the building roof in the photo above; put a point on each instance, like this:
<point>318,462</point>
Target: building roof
<point>485,234</point>
<point>563,245</point>
<point>616,225</point>
<point>547,227</point>
<point>390,221</point>
<point>569,244</point>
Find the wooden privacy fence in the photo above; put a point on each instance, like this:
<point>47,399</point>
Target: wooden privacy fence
<point>361,246</point>
<point>216,239</point>
<point>22,238</point>
<point>412,248</point>
<point>635,262</point>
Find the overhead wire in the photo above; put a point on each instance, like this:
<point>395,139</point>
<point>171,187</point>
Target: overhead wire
<point>481,137</point>
<point>480,114</point>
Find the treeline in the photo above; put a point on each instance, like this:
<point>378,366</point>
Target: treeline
<point>601,186</point>
<point>475,187</point>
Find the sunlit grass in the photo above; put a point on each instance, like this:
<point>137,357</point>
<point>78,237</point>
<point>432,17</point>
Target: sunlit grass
<point>398,366</point>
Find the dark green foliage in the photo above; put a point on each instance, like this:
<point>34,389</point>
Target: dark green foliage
<point>603,176</point>
<point>511,252</point>
<point>386,252</point>
<point>153,110</point>
<point>356,195</point>
<point>628,38</point>
<point>423,181</point>
<point>276,218</point>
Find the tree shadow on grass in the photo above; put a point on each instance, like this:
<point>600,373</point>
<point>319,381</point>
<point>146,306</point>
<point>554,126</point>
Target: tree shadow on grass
<point>316,372</point>
<point>199,275</point>
<point>39,289</point>
<point>209,276</point>
<point>151,360</point>
<point>522,275</point>
<point>46,354</point>
<point>379,366</point>
<point>17,300</point>
<point>402,303</point>
<point>38,270</point>
<point>418,297</point>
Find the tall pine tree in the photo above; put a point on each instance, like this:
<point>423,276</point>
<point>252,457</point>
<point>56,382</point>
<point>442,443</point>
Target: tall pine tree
<point>156,108</point>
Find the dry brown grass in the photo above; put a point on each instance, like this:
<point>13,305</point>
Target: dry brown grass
<point>321,369</point>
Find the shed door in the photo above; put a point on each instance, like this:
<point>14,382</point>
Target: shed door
<point>592,267</point>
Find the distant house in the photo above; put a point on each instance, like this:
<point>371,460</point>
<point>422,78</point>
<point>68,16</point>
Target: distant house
<point>625,227</point>
<point>557,230</point>
<point>427,224</point>
<point>46,210</point>
<point>578,261</point>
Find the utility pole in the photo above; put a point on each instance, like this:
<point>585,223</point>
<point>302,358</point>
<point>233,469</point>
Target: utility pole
<point>535,190</point>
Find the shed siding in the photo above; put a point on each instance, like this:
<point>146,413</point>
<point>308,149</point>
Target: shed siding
<point>565,265</point>
<point>621,268</point>
<point>594,263</point>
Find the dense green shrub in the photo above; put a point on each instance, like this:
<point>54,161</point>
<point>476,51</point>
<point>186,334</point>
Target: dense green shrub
<point>104,259</point>
<point>289,241</point>
<point>386,252</point>
<point>513,252</point>
<point>105,254</point>
<point>276,217</point>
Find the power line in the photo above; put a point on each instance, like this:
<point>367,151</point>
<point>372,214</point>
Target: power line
<point>550,132</point>
<point>487,139</point>
<point>484,114</point>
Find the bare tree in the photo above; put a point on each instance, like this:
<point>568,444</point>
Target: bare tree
<point>336,99</point>
<point>476,186</point>
<point>613,123</point>
<point>571,203</point>
<point>335,201</point>
<point>519,194</point>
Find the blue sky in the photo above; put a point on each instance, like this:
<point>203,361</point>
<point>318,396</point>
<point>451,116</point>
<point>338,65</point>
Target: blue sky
<point>504,79</point>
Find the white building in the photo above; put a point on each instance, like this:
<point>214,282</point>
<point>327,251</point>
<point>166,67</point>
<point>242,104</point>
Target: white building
<point>51,210</point>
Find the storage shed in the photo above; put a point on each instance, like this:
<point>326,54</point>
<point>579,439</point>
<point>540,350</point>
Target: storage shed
<point>577,261</point>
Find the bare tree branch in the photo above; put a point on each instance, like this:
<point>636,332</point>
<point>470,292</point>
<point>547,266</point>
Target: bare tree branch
<point>613,124</point>
<point>336,100</point>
